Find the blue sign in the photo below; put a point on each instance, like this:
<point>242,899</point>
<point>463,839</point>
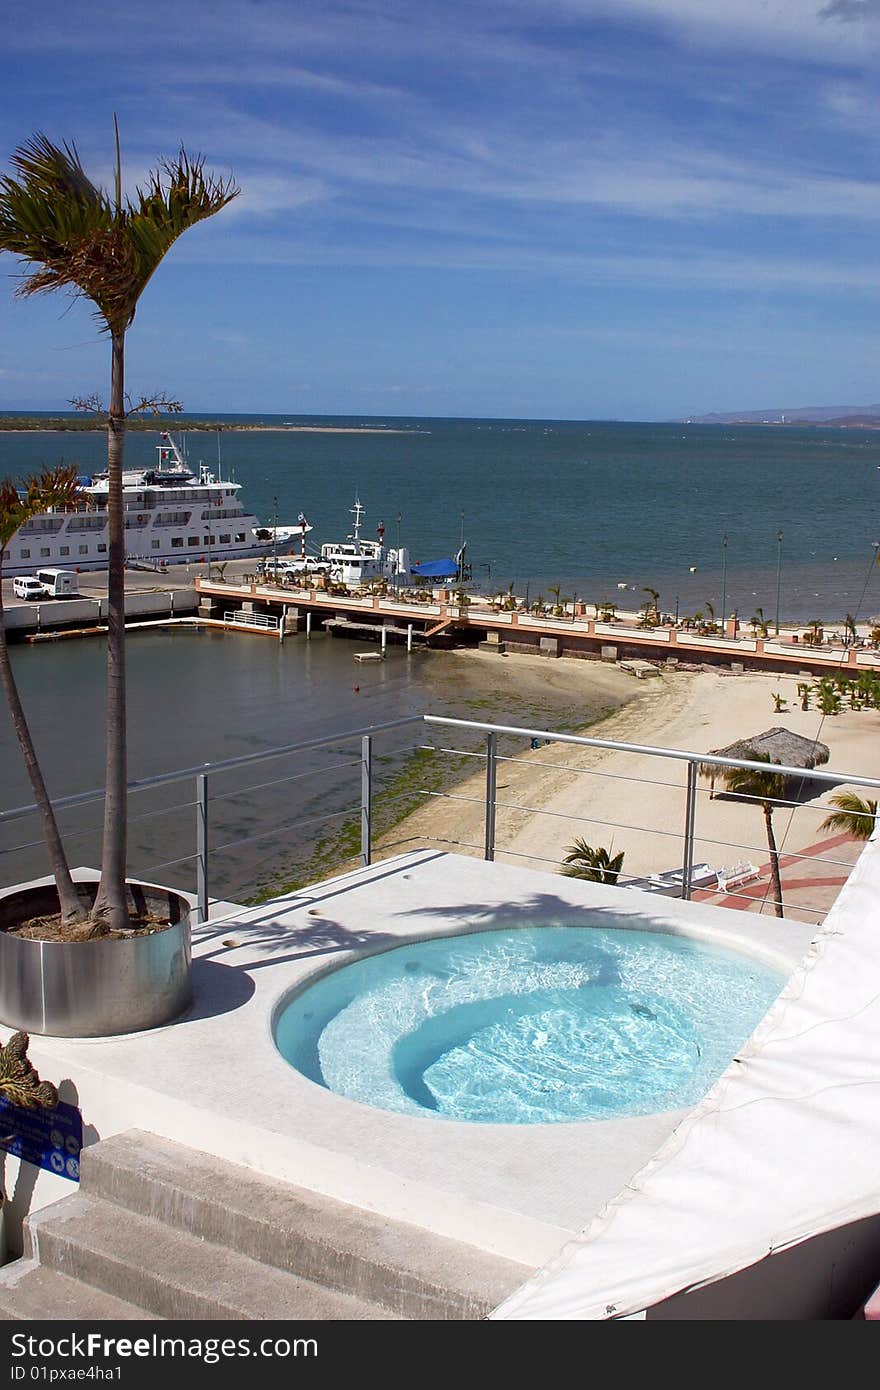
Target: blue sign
<point>50,1139</point>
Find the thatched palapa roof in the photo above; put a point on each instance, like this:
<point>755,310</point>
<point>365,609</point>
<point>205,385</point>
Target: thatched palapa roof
<point>779,745</point>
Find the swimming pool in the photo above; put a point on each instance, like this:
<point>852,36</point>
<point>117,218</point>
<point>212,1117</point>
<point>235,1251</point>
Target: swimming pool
<point>535,1025</point>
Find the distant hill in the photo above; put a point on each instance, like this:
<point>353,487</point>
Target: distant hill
<point>842,416</point>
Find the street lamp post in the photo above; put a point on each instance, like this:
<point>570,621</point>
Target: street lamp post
<point>399,519</point>
<point>778,575</point>
<point>723,584</point>
<point>275,539</point>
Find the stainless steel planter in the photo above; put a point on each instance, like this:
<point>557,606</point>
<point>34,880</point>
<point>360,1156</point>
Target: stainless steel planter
<point>93,989</point>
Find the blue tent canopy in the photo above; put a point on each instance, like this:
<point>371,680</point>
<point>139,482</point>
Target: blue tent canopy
<point>435,569</point>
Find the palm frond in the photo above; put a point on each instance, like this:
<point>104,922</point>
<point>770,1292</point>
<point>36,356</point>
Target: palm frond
<point>596,865</point>
<point>854,816</point>
<point>761,786</point>
<point>53,487</point>
<point>54,218</point>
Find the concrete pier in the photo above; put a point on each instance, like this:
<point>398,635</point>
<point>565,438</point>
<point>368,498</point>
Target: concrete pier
<point>444,621</point>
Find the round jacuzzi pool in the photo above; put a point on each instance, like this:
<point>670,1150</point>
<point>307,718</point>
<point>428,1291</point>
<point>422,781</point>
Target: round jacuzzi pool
<point>532,1026</point>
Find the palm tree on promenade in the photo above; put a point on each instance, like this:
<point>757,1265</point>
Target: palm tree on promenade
<point>73,235</point>
<point>854,816</point>
<point>765,787</point>
<point>54,487</point>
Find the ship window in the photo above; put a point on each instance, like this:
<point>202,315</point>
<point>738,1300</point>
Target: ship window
<point>176,542</point>
<point>45,551</point>
<point>192,540</point>
<point>239,536</point>
<point>156,544</point>
<point>209,540</point>
<point>64,550</point>
<point>102,549</point>
<point>84,550</point>
<point>25,554</point>
<point>225,540</point>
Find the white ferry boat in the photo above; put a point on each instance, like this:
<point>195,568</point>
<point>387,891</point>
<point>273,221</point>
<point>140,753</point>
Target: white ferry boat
<point>356,561</point>
<point>172,515</point>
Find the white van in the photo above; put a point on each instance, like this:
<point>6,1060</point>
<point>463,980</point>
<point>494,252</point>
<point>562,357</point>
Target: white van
<point>27,587</point>
<point>58,583</point>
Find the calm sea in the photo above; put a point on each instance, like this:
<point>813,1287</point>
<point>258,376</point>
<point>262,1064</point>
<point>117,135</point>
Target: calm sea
<point>589,506</point>
<point>585,506</point>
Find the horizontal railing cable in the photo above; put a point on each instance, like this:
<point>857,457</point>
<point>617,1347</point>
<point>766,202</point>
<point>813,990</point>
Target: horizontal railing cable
<point>273,829</point>
<point>206,769</point>
<point>280,781</point>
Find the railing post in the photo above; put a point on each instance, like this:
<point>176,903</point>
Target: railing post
<point>202,847</point>
<point>366,798</point>
<point>690,811</point>
<point>491,771</point>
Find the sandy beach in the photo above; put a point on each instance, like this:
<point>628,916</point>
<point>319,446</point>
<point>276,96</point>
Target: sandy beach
<point>636,803</point>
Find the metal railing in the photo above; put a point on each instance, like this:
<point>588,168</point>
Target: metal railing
<point>240,618</point>
<point>203,777</point>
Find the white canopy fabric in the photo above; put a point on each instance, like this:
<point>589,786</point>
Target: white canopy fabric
<point>786,1145</point>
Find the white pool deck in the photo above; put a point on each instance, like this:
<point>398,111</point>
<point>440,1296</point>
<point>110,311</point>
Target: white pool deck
<point>215,1080</point>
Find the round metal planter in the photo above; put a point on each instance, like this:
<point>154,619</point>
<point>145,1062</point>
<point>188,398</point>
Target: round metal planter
<point>94,989</point>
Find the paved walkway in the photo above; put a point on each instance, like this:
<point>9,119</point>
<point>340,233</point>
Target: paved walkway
<point>807,892</point>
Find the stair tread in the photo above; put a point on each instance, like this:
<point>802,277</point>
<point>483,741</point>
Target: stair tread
<point>147,1173</point>
<point>30,1292</point>
<point>178,1274</point>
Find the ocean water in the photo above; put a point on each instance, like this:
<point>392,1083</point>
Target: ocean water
<point>588,506</point>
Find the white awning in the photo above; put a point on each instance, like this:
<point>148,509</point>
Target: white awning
<point>785,1146</point>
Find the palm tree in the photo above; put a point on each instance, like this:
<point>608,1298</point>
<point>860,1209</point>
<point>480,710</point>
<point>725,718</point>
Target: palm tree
<point>854,815</point>
<point>594,864</point>
<point>54,487</point>
<point>765,787</point>
<point>654,601</point>
<point>759,623</point>
<point>73,235</point>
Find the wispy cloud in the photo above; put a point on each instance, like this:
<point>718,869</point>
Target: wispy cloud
<point>851,11</point>
<point>668,147</point>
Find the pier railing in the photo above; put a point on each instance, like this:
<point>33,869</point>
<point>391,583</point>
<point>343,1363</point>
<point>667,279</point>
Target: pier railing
<point>360,821</point>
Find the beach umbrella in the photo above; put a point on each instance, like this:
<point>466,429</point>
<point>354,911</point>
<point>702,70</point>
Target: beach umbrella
<point>778,745</point>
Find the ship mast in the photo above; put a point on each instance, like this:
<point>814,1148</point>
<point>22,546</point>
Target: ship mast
<point>356,513</point>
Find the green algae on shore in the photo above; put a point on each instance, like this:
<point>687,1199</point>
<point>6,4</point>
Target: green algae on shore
<point>538,693</point>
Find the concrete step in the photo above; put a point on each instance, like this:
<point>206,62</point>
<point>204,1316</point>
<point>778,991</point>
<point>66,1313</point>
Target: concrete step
<point>404,1269</point>
<point>173,1274</point>
<point>31,1293</point>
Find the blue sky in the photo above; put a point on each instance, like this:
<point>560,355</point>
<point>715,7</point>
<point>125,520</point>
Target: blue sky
<point>633,209</point>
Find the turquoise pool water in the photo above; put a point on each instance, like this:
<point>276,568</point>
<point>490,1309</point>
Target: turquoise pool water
<point>538,1025</point>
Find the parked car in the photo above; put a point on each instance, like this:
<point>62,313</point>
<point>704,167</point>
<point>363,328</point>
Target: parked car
<point>27,587</point>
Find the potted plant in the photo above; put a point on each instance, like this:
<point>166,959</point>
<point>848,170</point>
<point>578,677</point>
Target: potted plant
<point>71,234</point>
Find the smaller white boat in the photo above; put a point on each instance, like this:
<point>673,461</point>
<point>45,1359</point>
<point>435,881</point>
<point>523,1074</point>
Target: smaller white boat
<point>356,561</point>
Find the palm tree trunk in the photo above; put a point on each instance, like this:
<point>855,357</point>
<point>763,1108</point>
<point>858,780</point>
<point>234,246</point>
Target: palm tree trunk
<point>111,900</point>
<point>71,908</point>
<point>775,880</point>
